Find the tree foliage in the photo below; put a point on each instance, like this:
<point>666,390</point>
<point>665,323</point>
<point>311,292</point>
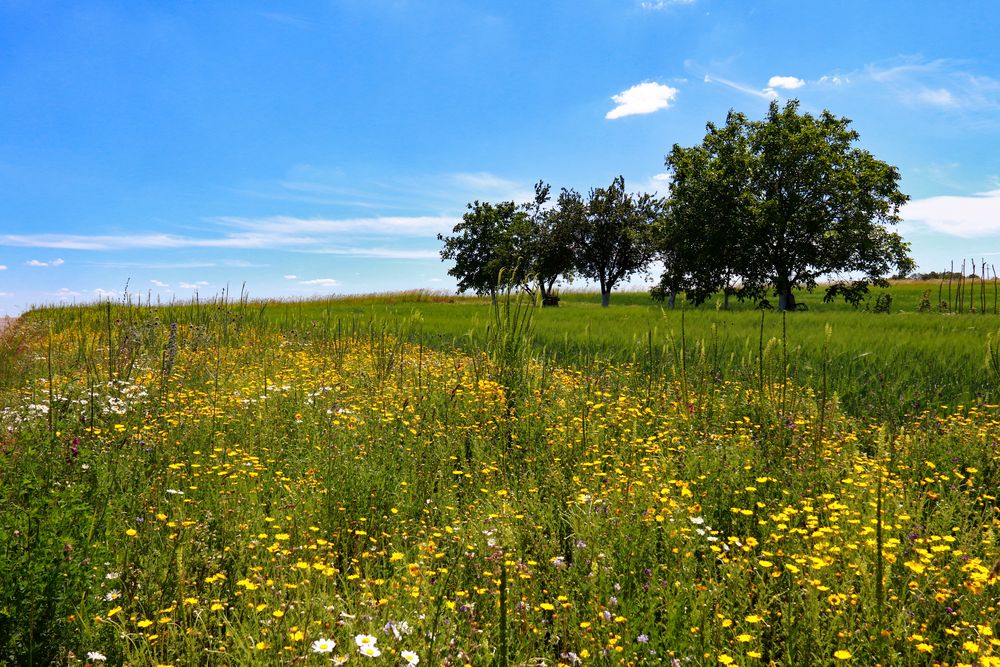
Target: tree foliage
<point>613,238</point>
<point>487,247</point>
<point>779,203</point>
<point>549,249</point>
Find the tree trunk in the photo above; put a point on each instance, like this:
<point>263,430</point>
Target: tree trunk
<point>672,300</point>
<point>725,299</point>
<point>605,298</point>
<point>786,300</point>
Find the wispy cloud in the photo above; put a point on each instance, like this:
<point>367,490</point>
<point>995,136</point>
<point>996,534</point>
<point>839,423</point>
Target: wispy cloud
<point>482,181</point>
<point>105,293</point>
<point>159,283</point>
<point>941,83</point>
<point>3,267</point>
<point>964,216</point>
<point>290,276</point>
<point>276,232</point>
<point>36,262</point>
<point>663,4</point>
<point>386,195</point>
<point>383,253</point>
<point>641,98</point>
<point>200,283</point>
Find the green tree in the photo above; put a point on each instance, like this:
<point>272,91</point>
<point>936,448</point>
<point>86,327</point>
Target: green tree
<point>487,247</point>
<point>612,234</point>
<point>701,239</point>
<point>548,246</point>
<point>783,202</point>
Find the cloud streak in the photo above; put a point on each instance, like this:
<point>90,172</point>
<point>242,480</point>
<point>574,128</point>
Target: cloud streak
<point>766,94</point>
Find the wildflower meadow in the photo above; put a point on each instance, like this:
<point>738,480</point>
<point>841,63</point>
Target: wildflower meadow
<point>210,485</point>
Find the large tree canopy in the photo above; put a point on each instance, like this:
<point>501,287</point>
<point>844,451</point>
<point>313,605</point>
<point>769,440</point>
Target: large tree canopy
<point>780,203</point>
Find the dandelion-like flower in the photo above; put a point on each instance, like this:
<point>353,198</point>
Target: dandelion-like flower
<point>97,656</point>
<point>410,657</point>
<point>323,645</point>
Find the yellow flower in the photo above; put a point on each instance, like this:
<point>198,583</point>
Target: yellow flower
<point>753,618</point>
<point>725,659</point>
<point>131,532</point>
<point>841,654</point>
<point>971,647</point>
<point>144,623</point>
<point>744,638</point>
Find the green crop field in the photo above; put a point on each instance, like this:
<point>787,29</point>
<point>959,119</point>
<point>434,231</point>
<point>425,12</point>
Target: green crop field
<point>415,478</point>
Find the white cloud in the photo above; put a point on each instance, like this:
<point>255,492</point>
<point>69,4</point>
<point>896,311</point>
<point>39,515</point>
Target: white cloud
<point>200,283</point>
<point>36,262</point>
<point>3,267</point>
<point>642,98</point>
<point>159,283</point>
<point>786,82</point>
<point>290,276</point>
<point>57,262</point>
<point>964,216</point>
<point>103,293</point>
<point>320,282</point>
<point>66,293</point>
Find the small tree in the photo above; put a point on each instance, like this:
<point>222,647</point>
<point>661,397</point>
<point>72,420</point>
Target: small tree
<point>612,233</point>
<point>487,247</point>
<point>549,242</point>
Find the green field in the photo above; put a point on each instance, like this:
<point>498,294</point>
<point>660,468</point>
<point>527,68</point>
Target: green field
<point>395,478</point>
<point>883,365</point>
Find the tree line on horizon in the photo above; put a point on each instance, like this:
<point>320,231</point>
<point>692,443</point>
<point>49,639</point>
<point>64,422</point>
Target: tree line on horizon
<point>759,208</point>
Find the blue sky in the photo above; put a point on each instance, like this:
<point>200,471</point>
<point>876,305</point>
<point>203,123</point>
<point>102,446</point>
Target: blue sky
<point>306,148</point>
